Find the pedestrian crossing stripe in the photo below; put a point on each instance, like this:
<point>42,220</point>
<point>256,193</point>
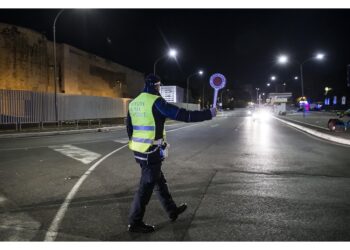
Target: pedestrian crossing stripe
<point>79,154</point>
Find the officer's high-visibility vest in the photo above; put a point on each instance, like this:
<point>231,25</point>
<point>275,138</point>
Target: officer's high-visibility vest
<point>144,126</point>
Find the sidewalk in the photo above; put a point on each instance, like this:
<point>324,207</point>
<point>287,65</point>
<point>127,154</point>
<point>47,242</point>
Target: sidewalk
<point>316,123</point>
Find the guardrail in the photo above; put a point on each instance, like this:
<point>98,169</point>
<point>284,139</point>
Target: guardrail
<point>23,107</point>
<point>19,107</point>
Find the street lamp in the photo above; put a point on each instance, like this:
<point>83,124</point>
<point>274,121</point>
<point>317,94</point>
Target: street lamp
<point>282,59</point>
<point>172,53</point>
<point>257,95</point>
<point>54,59</point>
<point>273,78</point>
<point>327,89</point>
<point>296,78</point>
<point>268,84</point>
<point>200,72</point>
<point>318,56</point>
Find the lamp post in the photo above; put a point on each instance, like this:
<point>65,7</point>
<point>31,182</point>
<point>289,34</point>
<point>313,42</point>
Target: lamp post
<point>257,95</point>
<point>203,103</point>
<point>172,53</point>
<point>200,72</point>
<point>273,79</point>
<point>283,59</point>
<point>54,59</point>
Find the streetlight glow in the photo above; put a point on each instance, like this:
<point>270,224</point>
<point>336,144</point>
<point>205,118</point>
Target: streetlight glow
<point>282,59</point>
<point>296,78</point>
<point>319,56</point>
<point>268,84</point>
<point>172,53</point>
<point>273,78</point>
<point>200,72</point>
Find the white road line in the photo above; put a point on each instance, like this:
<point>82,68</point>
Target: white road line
<point>122,140</point>
<point>316,133</point>
<point>52,232</point>
<point>2,199</point>
<point>215,125</point>
<point>308,124</point>
<point>79,154</point>
<point>183,127</point>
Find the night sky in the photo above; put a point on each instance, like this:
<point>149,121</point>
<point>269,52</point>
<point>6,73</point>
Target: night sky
<point>240,43</point>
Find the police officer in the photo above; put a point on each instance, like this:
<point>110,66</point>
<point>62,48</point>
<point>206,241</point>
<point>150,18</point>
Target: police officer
<point>145,127</point>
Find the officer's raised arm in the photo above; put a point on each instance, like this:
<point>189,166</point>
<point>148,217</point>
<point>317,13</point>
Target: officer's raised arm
<point>179,114</point>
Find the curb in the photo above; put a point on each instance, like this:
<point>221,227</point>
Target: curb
<point>63,132</point>
<point>316,133</point>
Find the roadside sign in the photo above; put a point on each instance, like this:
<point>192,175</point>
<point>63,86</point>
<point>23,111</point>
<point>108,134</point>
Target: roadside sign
<point>217,81</point>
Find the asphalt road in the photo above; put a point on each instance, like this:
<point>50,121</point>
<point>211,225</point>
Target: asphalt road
<point>243,180</point>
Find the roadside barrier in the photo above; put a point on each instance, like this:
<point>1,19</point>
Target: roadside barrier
<point>23,107</point>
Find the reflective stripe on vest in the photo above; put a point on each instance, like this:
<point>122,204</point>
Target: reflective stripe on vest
<point>143,127</point>
<point>140,110</point>
<point>135,139</point>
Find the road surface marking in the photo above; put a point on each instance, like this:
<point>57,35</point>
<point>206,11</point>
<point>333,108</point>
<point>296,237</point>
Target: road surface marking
<point>52,232</point>
<point>79,154</point>
<point>53,229</point>
<point>122,140</point>
<point>2,199</point>
<point>182,127</point>
<point>307,124</point>
<point>215,125</point>
<point>17,226</point>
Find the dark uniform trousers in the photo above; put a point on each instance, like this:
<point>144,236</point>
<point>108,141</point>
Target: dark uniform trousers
<point>152,177</point>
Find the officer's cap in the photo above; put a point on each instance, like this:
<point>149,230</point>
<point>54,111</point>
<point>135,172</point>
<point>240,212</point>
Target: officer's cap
<point>151,79</point>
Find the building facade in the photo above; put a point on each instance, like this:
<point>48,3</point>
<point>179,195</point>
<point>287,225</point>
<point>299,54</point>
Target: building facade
<point>26,63</point>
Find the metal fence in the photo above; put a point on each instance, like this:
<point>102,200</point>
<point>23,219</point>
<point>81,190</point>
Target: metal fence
<point>19,107</point>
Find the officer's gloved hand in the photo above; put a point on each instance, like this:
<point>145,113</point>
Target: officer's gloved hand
<point>213,112</point>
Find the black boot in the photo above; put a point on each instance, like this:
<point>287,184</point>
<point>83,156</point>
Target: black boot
<point>140,228</point>
<point>179,210</point>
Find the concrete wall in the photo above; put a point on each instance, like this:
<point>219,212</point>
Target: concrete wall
<point>23,59</point>
<point>26,63</point>
<point>87,74</point>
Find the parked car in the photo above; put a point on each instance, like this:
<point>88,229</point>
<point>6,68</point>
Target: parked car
<point>343,113</point>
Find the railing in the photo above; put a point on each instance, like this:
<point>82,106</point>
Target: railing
<point>20,107</point>
<point>24,107</point>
